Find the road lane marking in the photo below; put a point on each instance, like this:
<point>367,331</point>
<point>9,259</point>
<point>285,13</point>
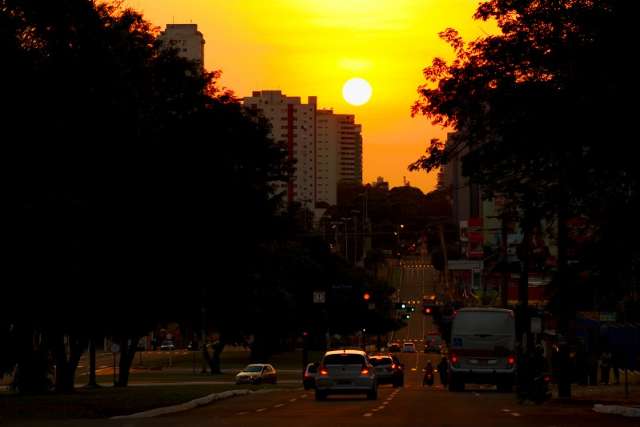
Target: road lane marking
<point>261,410</point>
<point>515,414</point>
<point>302,396</point>
<point>368,414</point>
<point>506,410</point>
<point>292,400</point>
<point>241,413</point>
<point>279,405</point>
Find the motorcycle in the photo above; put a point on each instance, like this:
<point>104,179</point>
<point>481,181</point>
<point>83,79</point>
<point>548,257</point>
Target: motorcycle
<point>428,378</point>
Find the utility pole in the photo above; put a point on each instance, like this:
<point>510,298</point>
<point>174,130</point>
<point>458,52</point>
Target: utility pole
<point>444,256</point>
<point>504,286</point>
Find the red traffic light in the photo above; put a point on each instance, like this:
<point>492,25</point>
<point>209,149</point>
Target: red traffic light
<point>427,310</point>
<point>366,296</point>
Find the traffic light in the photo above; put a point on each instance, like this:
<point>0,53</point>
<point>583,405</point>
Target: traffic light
<point>366,296</point>
<point>407,316</point>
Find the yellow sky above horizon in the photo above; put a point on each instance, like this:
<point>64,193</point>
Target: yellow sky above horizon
<point>311,47</point>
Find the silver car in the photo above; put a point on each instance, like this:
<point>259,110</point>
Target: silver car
<point>257,373</point>
<point>346,372</point>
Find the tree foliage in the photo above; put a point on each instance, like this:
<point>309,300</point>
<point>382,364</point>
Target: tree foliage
<point>132,178</point>
<point>540,112</point>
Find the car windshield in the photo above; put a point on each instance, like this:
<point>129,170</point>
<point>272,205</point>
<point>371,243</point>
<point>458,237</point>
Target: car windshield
<point>312,369</point>
<point>344,359</point>
<point>253,368</point>
<point>380,361</point>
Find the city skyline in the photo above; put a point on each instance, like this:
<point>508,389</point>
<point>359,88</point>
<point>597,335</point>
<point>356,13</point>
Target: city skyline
<point>319,47</point>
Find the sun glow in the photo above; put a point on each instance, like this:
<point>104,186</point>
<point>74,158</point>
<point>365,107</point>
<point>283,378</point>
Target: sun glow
<point>311,47</point>
<point>357,91</point>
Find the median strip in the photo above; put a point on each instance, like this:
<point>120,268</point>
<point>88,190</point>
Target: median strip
<point>202,401</point>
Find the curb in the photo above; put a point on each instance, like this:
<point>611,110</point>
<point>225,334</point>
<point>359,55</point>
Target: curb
<point>627,411</point>
<point>201,401</point>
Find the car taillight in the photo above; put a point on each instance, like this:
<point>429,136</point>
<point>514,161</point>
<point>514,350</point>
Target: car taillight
<point>547,379</point>
<point>324,372</point>
<point>394,366</point>
<point>511,360</point>
<point>454,359</point>
<point>364,371</point>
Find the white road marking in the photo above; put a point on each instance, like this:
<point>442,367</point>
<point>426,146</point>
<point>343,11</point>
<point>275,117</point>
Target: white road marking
<point>302,396</point>
<point>261,410</point>
<point>506,410</point>
<point>242,413</point>
<point>279,405</point>
<point>476,394</point>
<point>368,414</point>
<point>515,414</point>
<point>292,400</point>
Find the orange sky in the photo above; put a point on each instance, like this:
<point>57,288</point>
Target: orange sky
<point>311,47</point>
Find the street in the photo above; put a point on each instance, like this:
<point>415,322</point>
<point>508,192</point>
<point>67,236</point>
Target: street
<point>410,406</point>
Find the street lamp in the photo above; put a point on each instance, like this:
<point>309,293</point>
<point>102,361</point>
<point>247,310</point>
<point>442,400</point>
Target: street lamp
<point>346,237</point>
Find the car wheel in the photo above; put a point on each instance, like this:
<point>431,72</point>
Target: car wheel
<point>321,395</point>
<point>505,387</point>
<point>373,394</point>
<point>455,384</point>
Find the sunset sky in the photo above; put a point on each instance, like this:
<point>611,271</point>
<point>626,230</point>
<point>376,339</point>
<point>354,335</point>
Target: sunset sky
<point>312,47</point>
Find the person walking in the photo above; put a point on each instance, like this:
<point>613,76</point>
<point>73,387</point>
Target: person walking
<point>615,362</point>
<point>605,366</point>
<point>443,370</point>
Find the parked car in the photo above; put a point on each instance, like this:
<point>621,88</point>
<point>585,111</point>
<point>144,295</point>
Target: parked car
<point>346,372</point>
<point>482,348</point>
<point>409,347</point>
<point>387,370</point>
<point>257,373</point>
<point>167,346</point>
<point>394,347</point>
<point>309,377</point>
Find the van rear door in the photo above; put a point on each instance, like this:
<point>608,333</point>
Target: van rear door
<point>483,339</point>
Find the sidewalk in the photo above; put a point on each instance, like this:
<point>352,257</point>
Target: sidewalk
<point>610,398</point>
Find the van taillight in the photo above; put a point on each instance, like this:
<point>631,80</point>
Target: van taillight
<point>324,372</point>
<point>454,359</point>
<point>511,360</point>
<point>364,371</point>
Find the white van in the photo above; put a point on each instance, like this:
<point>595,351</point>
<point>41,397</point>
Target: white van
<point>482,348</point>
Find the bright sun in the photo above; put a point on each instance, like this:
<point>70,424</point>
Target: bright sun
<point>357,91</point>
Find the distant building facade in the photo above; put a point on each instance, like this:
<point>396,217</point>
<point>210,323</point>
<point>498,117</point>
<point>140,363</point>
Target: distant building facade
<point>326,147</point>
<point>186,39</point>
<point>294,125</point>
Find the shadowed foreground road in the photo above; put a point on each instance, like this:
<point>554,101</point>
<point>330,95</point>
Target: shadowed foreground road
<point>411,406</point>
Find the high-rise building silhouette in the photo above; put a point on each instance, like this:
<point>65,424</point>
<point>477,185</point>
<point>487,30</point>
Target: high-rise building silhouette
<point>186,39</point>
<point>326,147</point>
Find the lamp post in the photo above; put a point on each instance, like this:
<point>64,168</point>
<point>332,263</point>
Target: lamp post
<point>346,237</point>
<point>355,213</point>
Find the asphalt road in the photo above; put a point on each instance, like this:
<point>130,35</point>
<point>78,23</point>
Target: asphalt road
<point>410,406</point>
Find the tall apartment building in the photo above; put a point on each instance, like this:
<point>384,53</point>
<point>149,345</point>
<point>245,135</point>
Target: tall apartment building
<point>187,39</point>
<point>326,147</point>
<point>327,131</point>
<point>349,149</point>
<point>293,124</point>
